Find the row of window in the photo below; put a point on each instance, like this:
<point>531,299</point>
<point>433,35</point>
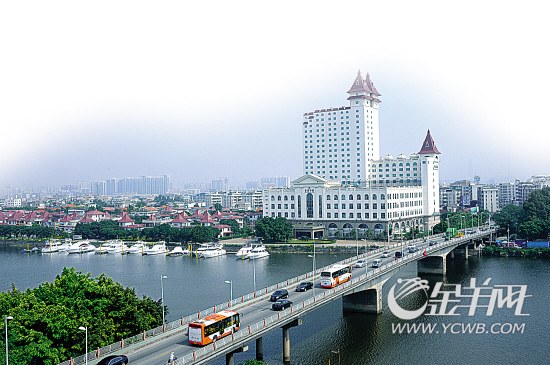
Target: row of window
<point>358,196</point>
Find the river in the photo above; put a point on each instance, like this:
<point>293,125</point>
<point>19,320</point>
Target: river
<point>193,284</point>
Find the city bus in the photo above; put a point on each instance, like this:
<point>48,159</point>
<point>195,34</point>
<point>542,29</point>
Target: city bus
<point>335,275</point>
<point>213,327</point>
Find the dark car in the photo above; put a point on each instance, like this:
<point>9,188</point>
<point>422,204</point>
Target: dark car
<point>281,304</point>
<point>306,285</point>
<point>431,243</point>
<point>399,254</point>
<point>279,294</point>
<point>114,360</point>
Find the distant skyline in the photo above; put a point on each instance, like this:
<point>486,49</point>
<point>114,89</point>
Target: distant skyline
<point>198,91</point>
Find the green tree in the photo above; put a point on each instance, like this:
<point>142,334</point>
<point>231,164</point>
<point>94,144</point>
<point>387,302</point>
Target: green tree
<point>218,207</point>
<point>273,229</point>
<point>44,329</point>
<point>235,228</point>
<point>510,216</point>
<point>202,234</point>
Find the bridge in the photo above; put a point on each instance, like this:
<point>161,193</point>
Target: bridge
<point>362,294</point>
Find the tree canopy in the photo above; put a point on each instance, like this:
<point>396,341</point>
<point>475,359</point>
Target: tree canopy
<point>44,329</point>
<point>273,229</point>
<point>532,220</point>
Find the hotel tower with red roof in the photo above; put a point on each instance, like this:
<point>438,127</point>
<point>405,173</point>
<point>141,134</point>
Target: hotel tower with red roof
<point>346,185</point>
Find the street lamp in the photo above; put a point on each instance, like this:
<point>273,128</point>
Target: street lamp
<point>313,279</point>
<point>83,328</point>
<point>6,319</point>
<point>162,295</point>
<point>230,289</point>
<point>337,352</point>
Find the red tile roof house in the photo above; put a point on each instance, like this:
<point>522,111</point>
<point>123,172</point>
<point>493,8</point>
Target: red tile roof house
<point>225,230</point>
<point>180,221</point>
<point>68,222</point>
<point>125,220</point>
<point>97,216</point>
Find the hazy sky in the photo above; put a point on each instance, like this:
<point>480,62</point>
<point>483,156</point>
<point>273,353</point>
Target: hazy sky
<point>198,90</point>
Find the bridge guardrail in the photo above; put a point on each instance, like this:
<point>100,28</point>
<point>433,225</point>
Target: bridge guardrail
<point>181,324</point>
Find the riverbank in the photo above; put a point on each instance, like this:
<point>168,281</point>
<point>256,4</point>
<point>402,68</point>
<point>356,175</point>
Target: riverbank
<point>516,252</point>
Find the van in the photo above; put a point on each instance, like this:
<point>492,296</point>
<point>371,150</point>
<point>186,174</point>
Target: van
<point>398,254</point>
<point>376,263</point>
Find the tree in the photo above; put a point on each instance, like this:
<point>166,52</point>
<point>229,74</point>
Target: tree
<point>510,216</point>
<point>273,229</point>
<point>202,234</point>
<point>235,228</point>
<point>46,319</point>
<point>218,207</point>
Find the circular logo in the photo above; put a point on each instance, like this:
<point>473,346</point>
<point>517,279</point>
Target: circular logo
<point>408,287</point>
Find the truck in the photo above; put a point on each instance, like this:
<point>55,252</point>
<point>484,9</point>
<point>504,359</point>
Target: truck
<point>450,233</point>
<point>538,244</point>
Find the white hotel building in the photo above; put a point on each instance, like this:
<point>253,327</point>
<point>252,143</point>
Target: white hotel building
<point>347,186</point>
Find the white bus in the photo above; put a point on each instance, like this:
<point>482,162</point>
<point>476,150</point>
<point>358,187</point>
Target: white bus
<point>335,275</point>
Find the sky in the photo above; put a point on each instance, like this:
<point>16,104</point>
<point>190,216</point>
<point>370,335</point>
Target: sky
<point>199,90</point>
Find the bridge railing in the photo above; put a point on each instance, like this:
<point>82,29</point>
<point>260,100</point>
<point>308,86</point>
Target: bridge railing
<point>180,325</point>
<point>275,320</point>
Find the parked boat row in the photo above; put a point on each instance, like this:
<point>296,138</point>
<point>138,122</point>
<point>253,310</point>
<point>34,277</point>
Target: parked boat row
<point>205,250</point>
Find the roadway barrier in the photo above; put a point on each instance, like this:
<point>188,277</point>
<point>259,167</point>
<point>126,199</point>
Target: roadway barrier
<point>180,326</point>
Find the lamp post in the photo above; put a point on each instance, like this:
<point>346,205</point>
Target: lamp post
<point>6,319</point>
<point>338,353</point>
<point>162,295</point>
<point>313,277</point>
<point>84,328</point>
<point>230,289</point>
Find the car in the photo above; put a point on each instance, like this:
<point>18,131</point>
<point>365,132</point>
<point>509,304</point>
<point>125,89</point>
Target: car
<point>279,294</point>
<point>306,285</point>
<point>399,254</point>
<point>411,248</point>
<point>376,262</point>
<point>114,360</point>
<point>431,243</point>
<point>385,254</point>
<point>281,304</point>
<point>360,263</point>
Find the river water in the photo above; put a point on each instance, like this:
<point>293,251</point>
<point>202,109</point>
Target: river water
<point>326,334</point>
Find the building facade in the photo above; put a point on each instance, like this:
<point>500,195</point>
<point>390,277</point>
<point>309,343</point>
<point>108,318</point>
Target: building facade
<point>347,188</point>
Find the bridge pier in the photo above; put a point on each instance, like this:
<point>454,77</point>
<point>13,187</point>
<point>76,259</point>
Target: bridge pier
<point>365,301</point>
<point>229,357</point>
<point>286,339</point>
<point>461,252</point>
<point>432,265</point>
<point>260,348</point>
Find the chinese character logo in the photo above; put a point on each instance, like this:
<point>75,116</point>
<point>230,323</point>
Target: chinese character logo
<point>408,287</point>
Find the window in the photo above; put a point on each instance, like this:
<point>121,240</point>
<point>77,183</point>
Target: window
<point>309,205</point>
<point>366,196</point>
<point>299,206</point>
<point>350,197</point>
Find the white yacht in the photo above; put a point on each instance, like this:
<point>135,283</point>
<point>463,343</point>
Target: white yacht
<point>136,248</point>
<point>178,251</point>
<point>212,251</point>
<point>258,252</point>
<point>158,248</point>
<point>115,246</point>
<point>244,251</point>
<point>51,246</point>
<point>81,247</point>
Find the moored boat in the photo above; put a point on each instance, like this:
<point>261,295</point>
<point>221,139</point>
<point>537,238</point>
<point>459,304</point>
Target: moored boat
<point>258,252</point>
<point>158,248</point>
<point>212,251</point>
<point>81,247</point>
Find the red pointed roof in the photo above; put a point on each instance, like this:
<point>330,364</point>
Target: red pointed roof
<point>179,219</point>
<point>125,218</point>
<point>87,219</point>
<point>429,147</point>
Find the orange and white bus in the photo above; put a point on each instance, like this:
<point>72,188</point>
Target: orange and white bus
<point>213,327</point>
<point>335,275</point>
